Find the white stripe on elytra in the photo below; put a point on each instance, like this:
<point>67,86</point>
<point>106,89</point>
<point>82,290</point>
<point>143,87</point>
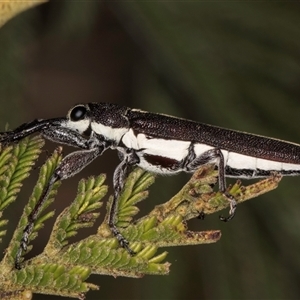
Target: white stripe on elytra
<point>173,149</point>
<point>178,150</point>
<point>239,161</point>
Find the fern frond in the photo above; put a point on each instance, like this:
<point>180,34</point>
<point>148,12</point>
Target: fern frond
<point>16,163</point>
<point>63,268</point>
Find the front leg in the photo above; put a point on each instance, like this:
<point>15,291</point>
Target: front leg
<point>128,159</point>
<point>69,166</point>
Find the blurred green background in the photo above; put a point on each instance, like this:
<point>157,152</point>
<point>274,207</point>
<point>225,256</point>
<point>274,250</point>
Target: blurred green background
<point>231,64</point>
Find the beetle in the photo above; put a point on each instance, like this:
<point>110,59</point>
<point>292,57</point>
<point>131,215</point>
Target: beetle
<point>158,143</point>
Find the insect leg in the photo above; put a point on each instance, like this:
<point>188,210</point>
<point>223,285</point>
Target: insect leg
<point>120,174</point>
<point>69,166</point>
<point>193,162</point>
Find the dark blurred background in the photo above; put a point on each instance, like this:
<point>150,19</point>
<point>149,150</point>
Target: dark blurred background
<point>232,64</point>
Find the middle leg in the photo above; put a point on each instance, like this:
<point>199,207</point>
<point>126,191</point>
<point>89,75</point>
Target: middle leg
<point>128,159</point>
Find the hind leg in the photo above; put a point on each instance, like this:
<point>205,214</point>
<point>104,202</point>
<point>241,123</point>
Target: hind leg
<point>193,162</point>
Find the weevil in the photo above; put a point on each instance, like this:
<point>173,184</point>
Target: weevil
<point>157,143</point>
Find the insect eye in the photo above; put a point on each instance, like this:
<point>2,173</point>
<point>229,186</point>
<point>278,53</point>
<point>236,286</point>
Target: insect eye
<point>78,113</point>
